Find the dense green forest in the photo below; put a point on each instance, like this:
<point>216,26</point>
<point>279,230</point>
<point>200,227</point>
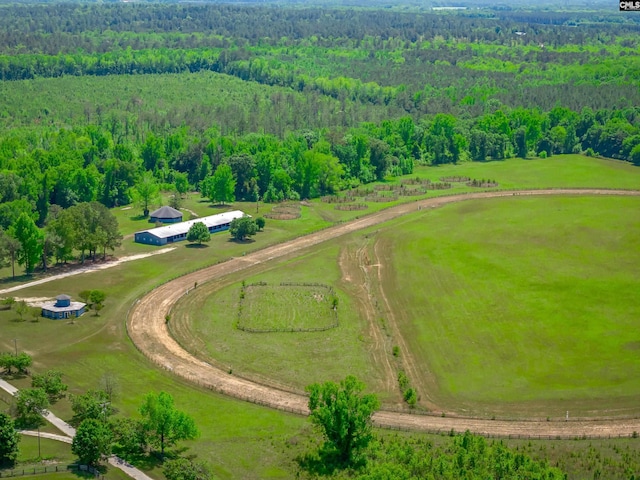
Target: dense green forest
<point>297,102</point>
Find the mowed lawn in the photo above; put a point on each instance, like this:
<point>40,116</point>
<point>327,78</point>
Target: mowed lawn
<point>523,305</point>
<point>554,172</point>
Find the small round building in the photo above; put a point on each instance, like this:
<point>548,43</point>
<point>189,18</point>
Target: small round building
<point>165,215</point>
<point>63,307</point>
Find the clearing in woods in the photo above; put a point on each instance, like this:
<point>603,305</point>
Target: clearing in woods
<point>163,350</point>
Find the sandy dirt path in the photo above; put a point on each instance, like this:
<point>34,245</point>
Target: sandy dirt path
<point>87,269</point>
<point>147,328</point>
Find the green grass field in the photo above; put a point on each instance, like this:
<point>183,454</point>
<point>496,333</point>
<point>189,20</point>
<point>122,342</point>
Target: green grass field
<point>271,308</point>
<point>242,440</point>
<point>523,306</point>
<point>519,306</point>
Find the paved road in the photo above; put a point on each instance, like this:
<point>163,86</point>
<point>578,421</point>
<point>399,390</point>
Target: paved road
<point>69,433</point>
<point>148,330</point>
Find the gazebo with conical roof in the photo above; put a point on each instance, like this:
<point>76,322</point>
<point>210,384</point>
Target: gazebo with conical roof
<point>165,215</point>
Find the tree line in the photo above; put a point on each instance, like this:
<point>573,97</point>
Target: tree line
<point>63,27</point>
<point>54,200</point>
<point>416,78</point>
<point>86,228</point>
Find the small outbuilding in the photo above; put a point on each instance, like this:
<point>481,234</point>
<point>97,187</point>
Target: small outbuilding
<point>165,215</point>
<point>63,307</point>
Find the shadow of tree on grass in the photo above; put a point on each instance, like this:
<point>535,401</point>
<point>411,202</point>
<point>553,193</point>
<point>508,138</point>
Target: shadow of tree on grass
<point>326,462</point>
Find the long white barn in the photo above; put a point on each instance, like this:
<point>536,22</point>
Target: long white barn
<point>178,231</point>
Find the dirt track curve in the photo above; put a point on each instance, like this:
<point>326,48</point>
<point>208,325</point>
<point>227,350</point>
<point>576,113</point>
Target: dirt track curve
<point>148,330</point>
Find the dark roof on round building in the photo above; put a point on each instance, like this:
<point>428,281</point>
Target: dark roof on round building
<point>63,297</point>
<point>166,212</point>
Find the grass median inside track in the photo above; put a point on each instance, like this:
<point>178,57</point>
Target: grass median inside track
<point>205,322</point>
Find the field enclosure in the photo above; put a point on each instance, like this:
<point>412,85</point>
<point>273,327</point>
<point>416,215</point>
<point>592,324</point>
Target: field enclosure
<point>287,307</point>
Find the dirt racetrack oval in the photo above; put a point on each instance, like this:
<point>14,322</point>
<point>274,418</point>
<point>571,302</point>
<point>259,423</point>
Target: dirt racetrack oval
<point>147,328</point>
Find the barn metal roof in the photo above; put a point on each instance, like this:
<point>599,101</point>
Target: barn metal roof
<point>167,231</point>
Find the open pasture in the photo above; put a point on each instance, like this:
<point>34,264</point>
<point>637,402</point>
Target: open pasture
<point>508,307</point>
<point>520,306</point>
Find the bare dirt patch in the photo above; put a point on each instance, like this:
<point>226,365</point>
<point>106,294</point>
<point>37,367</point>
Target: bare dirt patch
<point>354,264</point>
<point>289,211</point>
<point>148,330</point>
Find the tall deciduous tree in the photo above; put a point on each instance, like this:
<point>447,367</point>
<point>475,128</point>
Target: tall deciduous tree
<point>220,186</point>
<point>379,157</point>
<point>128,436</point>
<point>96,299</point>
<point>520,138</point>
<point>51,382</point>
<point>165,425</point>
<point>9,439</point>
<point>108,236</point>
<point>181,183</point>
<point>31,404</point>
<point>89,226</point>
<point>343,414</point>
<point>30,237</point>
<point>92,441</point>
<point>21,362</point>
<point>93,404</point>
<point>243,170</point>
<point>9,248</point>
<point>146,192</point>
<point>243,227</point>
